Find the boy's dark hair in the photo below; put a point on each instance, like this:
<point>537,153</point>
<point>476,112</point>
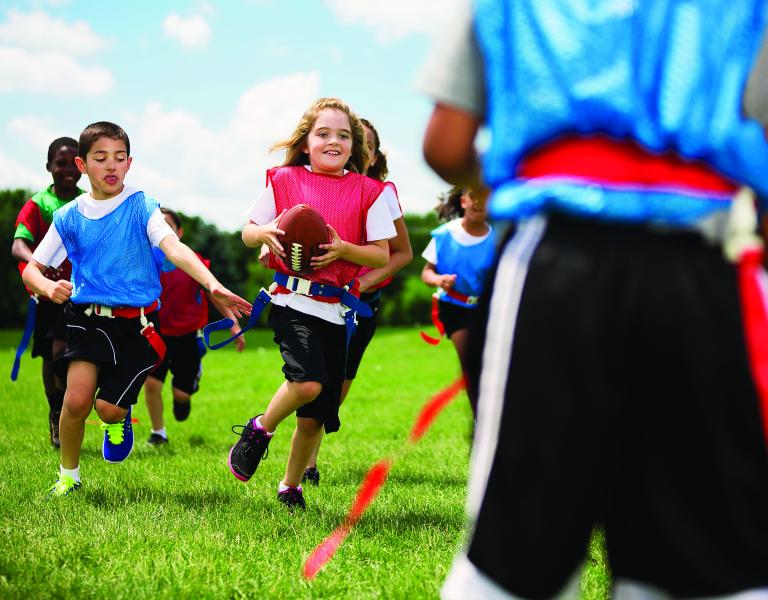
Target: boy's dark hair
<point>379,170</point>
<point>450,204</point>
<point>101,129</point>
<point>174,216</point>
<point>61,143</point>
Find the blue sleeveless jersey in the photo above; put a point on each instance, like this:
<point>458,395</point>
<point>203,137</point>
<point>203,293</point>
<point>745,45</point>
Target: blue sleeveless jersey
<point>470,263</point>
<point>669,74</point>
<point>112,258</point>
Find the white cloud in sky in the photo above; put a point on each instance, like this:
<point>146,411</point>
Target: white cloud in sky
<point>14,175</point>
<point>32,130</point>
<point>190,32</point>
<point>39,32</point>
<point>53,73</point>
<point>396,19</point>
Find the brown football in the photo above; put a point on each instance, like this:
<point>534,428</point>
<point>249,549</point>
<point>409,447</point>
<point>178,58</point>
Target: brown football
<point>305,230</point>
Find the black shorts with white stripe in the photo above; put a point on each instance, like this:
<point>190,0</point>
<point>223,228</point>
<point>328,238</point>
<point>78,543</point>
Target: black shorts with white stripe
<point>116,346</point>
<point>615,391</point>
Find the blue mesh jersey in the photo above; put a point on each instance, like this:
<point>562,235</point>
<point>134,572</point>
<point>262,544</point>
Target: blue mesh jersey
<point>112,258</point>
<point>669,74</point>
<point>471,264</point>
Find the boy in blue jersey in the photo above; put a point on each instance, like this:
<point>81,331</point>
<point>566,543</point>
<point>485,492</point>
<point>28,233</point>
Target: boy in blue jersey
<point>620,384</point>
<point>108,236</point>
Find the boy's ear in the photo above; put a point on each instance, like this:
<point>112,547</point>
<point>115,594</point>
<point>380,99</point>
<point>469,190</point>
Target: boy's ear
<point>180,232</point>
<point>81,165</point>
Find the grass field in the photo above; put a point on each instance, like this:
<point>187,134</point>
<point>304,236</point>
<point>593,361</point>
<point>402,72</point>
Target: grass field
<point>171,522</point>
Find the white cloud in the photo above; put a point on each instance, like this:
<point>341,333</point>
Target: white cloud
<point>395,19</point>
<point>39,32</point>
<point>49,72</point>
<point>192,32</point>
<point>32,130</point>
<point>15,175</point>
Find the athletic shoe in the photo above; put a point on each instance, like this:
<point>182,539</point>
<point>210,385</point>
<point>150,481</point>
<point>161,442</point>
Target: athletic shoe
<point>64,486</point>
<point>157,440</point>
<point>247,453</point>
<point>53,427</point>
<point>118,440</point>
<point>292,497</point>
<point>181,410</point>
<point>312,476</point>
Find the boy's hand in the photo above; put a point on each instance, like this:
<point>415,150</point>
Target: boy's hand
<point>240,341</point>
<point>269,235</point>
<point>59,291</point>
<point>335,250</point>
<point>447,281</point>
<point>239,306</point>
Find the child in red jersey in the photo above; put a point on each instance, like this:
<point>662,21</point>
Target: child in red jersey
<point>31,225</point>
<point>183,312</point>
<point>324,157</point>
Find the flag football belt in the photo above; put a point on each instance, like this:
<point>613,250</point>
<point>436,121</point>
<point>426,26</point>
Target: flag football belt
<point>132,312</point>
<point>29,327</point>
<point>468,300</point>
<point>298,285</point>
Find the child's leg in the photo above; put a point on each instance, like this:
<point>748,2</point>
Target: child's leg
<point>153,394</point>
<point>109,413</point>
<point>289,396</point>
<point>460,339</point>
<point>306,438</point>
<point>78,402</point>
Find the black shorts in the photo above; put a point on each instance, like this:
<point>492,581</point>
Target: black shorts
<point>366,327</point>
<point>615,391</point>
<point>116,346</point>
<point>183,358</point>
<point>50,325</point>
<point>455,317</point>
<point>313,350</point>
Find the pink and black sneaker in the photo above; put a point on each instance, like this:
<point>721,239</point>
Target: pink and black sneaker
<point>292,497</point>
<point>246,454</point>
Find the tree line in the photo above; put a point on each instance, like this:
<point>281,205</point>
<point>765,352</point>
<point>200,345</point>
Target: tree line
<point>406,301</point>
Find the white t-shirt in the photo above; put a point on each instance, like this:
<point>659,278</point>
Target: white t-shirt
<point>459,234</point>
<point>378,226</point>
<point>51,252</point>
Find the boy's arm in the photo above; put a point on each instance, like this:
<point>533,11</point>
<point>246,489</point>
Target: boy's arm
<point>183,257</point>
<point>228,314</point>
<point>58,291</point>
<point>20,250</point>
<point>400,255</point>
<point>432,278</point>
<point>373,254</point>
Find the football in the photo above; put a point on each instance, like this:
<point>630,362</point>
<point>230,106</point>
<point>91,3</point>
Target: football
<point>305,230</point>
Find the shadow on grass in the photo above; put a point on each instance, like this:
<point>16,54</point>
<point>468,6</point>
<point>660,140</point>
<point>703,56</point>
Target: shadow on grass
<point>190,499</point>
<point>356,475</point>
<point>374,522</point>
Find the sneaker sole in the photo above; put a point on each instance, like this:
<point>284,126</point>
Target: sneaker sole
<point>242,478</point>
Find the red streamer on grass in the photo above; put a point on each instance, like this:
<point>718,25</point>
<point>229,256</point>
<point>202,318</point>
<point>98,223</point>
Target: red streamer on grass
<point>373,482</point>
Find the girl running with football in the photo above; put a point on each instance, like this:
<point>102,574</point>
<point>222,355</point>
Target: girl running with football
<point>325,157</point>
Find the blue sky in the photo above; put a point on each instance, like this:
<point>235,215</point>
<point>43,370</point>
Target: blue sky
<point>205,88</point>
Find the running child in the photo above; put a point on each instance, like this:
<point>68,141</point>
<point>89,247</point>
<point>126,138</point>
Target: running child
<point>31,226</point>
<point>459,257</point>
<point>324,159</point>
<point>108,236</point>
<point>372,281</point>
<point>183,312</point>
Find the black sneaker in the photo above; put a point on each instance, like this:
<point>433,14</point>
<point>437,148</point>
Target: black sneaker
<point>157,440</point>
<point>312,476</point>
<point>181,410</point>
<point>53,427</point>
<point>247,453</point>
<point>292,497</point>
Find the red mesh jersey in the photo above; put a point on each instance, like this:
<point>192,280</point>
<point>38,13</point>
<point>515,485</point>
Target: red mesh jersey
<point>342,201</point>
<point>183,305</point>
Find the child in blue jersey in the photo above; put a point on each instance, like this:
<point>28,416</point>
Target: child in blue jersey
<point>459,257</point>
<point>108,236</point>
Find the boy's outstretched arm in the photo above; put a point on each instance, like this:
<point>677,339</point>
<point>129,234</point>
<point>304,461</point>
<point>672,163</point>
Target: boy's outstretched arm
<point>228,314</point>
<point>57,291</point>
<point>449,146</point>
<point>183,257</point>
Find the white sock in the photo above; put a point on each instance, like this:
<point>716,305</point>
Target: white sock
<point>73,473</point>
<point>258,424</point>
<point>282,487</point>
<point>161,432</point>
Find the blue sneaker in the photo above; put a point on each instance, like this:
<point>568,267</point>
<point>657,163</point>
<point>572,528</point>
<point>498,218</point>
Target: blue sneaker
<point>118,440</point>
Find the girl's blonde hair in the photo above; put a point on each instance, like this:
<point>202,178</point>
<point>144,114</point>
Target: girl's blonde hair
<point>294,146</point>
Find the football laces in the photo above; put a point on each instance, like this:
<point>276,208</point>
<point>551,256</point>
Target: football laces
<point>296,256</point>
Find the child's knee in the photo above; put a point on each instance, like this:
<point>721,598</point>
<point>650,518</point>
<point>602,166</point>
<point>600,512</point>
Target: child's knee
<point>308,425</point>
<point>306,390</point>
<point>109,413</point>
<point>78,405</point>
<point>153,385</point>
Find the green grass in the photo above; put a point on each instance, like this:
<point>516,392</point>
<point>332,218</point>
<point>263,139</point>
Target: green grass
<point>171,522</point>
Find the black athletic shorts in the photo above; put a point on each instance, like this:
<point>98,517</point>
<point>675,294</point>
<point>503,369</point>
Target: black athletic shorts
<point>455,317</point>
<point>183,359</point>
<point>313,349</point>
<point>50,324</point>
<point>366,327</point>
<point>615,391</point>
<point>123,355</point>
